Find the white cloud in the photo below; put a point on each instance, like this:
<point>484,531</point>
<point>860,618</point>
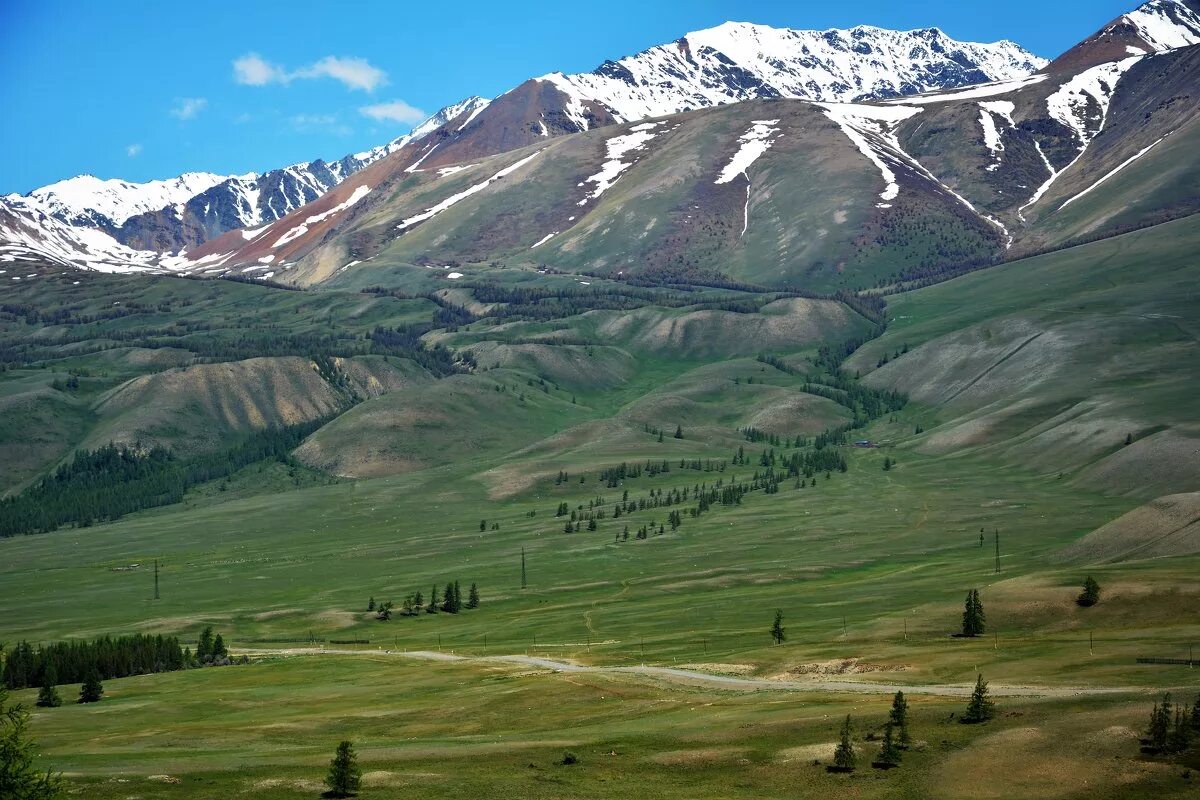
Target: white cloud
<point>133,150</point>
<point>188,107</point>
<point>395,111</point>
<point>353,73</point>
<point>252,70</point>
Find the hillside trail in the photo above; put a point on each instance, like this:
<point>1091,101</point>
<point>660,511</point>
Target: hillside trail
<point>706,679</point>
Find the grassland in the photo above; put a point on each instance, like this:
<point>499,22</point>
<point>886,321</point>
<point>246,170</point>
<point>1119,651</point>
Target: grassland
<point>869,567</point>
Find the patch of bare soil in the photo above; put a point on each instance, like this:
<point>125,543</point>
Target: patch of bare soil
<point>838,666</point>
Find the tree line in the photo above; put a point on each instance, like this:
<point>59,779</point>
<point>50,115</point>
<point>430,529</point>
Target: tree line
<point>109,657</point>
<point>107,483</point>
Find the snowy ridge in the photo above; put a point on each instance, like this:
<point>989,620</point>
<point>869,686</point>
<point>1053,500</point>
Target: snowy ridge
<point>1164,24</point>
<point>740,61</point>
<point>88,200</point>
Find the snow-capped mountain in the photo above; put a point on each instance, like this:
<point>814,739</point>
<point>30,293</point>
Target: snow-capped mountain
<point>88,200</point>
<point>741,61</point>
<point>726,64</point>
<point>177,213</point>
<point>1153,27</point>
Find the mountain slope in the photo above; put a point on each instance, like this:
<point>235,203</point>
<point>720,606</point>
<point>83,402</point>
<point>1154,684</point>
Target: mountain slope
<point>781,192</point>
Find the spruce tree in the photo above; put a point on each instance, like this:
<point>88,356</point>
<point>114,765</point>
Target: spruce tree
<point>19,779</point>
<point>434,603</point>
<point>448,599</point>
<point>1181,733</point>
<point>844,759</point>
<point>678,432</point>
<point>48,693</point>
<point>219,650</point>
<point>371,604</point>
<point>1160,724</point>
<point>345,778</point>
<point>980,708</point>
<point>458,604</point>
<point>973,617</point>
<point>898,717</point>
<point>777,632</point>
<point>473,597</point>
<point>1091,593</point>
<point>204,645</point>
<point>92,690</point>
<point>889,753</point>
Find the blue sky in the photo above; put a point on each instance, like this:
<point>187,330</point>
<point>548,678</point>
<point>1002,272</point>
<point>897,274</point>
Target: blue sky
<point>143,90</point>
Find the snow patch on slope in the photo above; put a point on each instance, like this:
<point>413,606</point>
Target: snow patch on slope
<point>617,147</point>
<point>990,112</point>
<point>295,233</point>
<point>1113,172</point>
<point>463,195</point>
<point>870,129</point>
<point>753,143</point>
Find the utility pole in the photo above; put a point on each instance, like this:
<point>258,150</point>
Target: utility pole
<point>156,579</point>
<point>997,551</point>
<point>523,583</point>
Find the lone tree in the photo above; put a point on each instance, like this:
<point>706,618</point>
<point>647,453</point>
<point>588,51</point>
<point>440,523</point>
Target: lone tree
<point>980,708</point>
<point>473,597</point>
<point>777,633</point>
<point>48,694</point>
<point>889,752</point>
<point>345,778</point>
<point>844,759</point>
<point>678,432</point>
<point>973,617</point>
<point>1091,593</point>
<point>92,690</point>
<point>19,779</point>
<point>898,718</point>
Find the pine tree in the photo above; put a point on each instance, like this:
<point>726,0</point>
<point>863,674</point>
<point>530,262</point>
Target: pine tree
<point>980,708</point>
<point>371,604</point>
<point>204,645</point>
<point>473,597</point>
<point>889,753</point>
<point>1181,734</point>
<point>1160,724</point>
<point>898,717</point>
<point>219,651</point>
<point>844,759</point>
<point>973,616</point>
<point>345,778</point>
<point>19,779</point>
<point>483,524</point>
<point>457,598</point>
<point>48,694</point>
<point>777,632</point>
<point>92,690</point>
<point>1091,593</point>
<point>448,599</point>
<point>678,432</point>
<point>434,604</point>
